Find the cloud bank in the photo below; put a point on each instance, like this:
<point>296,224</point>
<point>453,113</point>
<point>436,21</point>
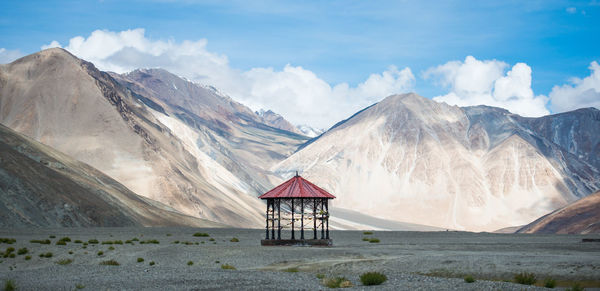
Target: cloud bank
<point>475,82</point>
<point>296,93</point>
<point>7,56</point>
<point>580,93</point>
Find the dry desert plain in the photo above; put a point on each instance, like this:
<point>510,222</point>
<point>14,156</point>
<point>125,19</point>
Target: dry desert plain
<point>410,260</point>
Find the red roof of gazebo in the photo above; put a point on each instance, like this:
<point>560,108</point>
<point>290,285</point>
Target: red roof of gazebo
<point>297,187</point>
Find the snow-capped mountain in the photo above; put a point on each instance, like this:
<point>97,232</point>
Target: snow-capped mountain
<point>411,159</point>
<point>309,131</point>
<point>277,121</point>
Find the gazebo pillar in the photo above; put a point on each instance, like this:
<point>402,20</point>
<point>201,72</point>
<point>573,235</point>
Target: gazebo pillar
<point>267,227</point>
<point>278,218</point>
<point>293,218</point>
<point>322,219</point>
<point>302,218</point>
<point>327,212</point>
<point>314,218</point>
<point>272,218</point>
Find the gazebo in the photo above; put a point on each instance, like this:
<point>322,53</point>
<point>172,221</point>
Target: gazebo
<point>297,201</point>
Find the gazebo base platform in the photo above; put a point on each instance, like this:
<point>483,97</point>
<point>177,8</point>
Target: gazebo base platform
<point>297,242</point>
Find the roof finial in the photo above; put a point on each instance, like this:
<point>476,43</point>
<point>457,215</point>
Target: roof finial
<point>296,173</point>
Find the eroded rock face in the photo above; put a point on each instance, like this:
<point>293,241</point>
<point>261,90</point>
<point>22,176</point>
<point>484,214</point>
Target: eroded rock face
<point>195,150</point>
<point>479,168</point>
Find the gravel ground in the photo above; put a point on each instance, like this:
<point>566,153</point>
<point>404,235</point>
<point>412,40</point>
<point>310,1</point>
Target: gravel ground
<point>411,260</point>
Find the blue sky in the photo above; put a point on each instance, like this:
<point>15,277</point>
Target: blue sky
<point>338,41</point>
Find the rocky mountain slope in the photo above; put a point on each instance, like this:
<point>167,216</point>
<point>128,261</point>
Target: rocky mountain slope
<point>411,159</point>
<point>40,186</point>
<point>581,216</point>
<point>275,120</point>
<point>198,152</point>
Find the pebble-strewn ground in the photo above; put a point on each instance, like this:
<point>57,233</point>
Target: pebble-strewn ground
<point>405,257</point>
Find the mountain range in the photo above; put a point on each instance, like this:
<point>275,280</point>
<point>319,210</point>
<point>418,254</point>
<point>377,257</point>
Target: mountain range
<point>192,151</point>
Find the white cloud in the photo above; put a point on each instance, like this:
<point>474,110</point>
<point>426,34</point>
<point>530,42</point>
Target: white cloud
<point>7,56</point>
<point>296,93</point>
<point>580,93</point>
<point>475,82</point>
<point>571,10</point>
<point>54,43</point>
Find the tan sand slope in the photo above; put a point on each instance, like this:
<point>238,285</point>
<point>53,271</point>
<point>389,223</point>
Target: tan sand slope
<point>581,216</point>
<point>40,186</point>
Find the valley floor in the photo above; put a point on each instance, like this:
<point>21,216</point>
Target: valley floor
<point>411,260</point>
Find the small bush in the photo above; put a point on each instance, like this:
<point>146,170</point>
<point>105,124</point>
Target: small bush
<point>372,278</point>
<point>168,234</point>
<point>469,279</point>
<point>9,241</point>
<point>337,282</point>
<point>70,252</point>
<point>525,278</point>
<point>150,241</point>
<point>374,240</point>
<point>118,242</point>
<point>48,255</point>
<point>9,285</point>
<point>235,239</point>
<point>78,241</point>
<point>27,258</point>
<point>93,241</point>
<point>64,261</point>
<point>52,236</point>
<point>320,276</point>
<point>176,242</point>
<point>135,239</point>
<point>79,286</point>
<point>227,267</point>
<point>111,248</point>
<point>365,239</point>
<point>66,239</point>
<point>22,251</point>
<point>100,253</point>
<point>151,263</point>
<point>128,242</point>
<point>575,287</point>
<point>110,263</point>
<point>139,260</point>
<point>291,270</point>
<point>217,262</point>
<point>9,250</point>
<point>201,234</point>
<point>549,283</point>
<point>189,263</point>
<point>39,241</point>
<point>12,256</point>
<point>367,232</point>
<point>85,243</point>
<point>211,239</point>
<point>61,243</point>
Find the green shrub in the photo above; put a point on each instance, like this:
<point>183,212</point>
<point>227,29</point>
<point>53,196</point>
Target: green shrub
<point>100,253</point>
<point>39,241</point>
<point>217,262</point>
<point>469,279</point>
<point>110,263</point>
<point>46,255</point>
<point>367,232</point>
<point>111,248</point>
<point>85,243</point>
<point>78,241</point>
<point>337,282</point>
<point>150,241</point>
<point>235,239</point>
<point>139,260</point>
<point>27,258</point>
<point>365,239</point>
<point>118,242</point>
<point>525,278</point>
<point>372,278</point>
<point>66,239</point>
<point>201,234</point>
<point>93,241</point>
<point>189,263</point>
<point>575,287</point>
<point>64,261</point>
<point>135,239</point>
<point>128,242</point>
<point>168,234</point>
<point>374,240</point>
<point>79,286</point>
<point>549,283</point>
<point>176,242</point>
<point>320,276</point>
<point>227,267</point>
<point>9,285</point>
<point>61,243</point>
<point>12,256</point>
<point>151,263</point>
<point>291,270</point>
<point>9,241</point>
<point>70,252</point>
<point>211,239</point>
<point>22,251</point>
<point>52,236</point>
